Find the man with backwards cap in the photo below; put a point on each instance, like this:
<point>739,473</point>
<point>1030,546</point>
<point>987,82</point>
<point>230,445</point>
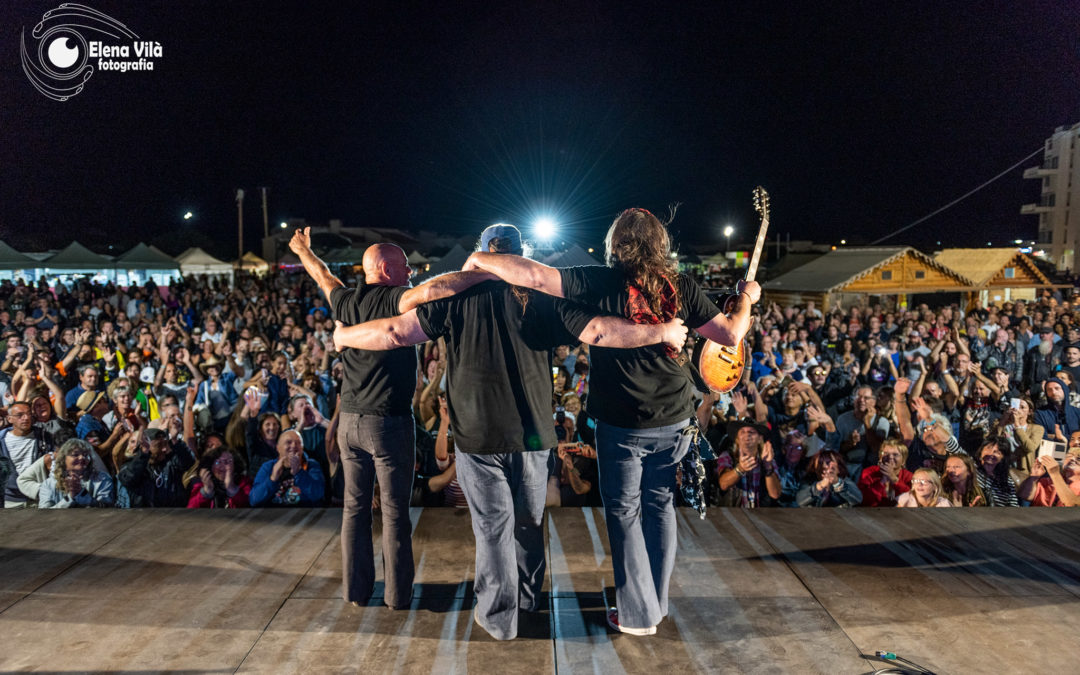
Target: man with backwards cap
<point>376,435</point>
<point>499,340</point>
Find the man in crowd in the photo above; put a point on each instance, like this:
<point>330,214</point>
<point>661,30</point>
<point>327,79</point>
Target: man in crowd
<point>22,445</point>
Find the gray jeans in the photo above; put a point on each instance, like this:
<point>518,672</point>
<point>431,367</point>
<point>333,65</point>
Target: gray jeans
<point>382,447</point>
<point>506,501</point>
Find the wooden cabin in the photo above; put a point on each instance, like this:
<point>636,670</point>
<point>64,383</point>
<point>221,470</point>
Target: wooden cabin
<point>1002,274</point>
<point>857,275</point>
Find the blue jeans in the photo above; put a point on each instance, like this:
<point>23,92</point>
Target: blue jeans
<point>637,483</point>
<point>383,447</point>
<point>506,494</point>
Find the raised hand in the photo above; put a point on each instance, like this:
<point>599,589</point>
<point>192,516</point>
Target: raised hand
<point>739,402</point>
<point>1049,464</point>
<point>747,463</point>
<point>207,479</point>
<point>902,386</point>
<point>301,240</point>
<point>767,452</point>
<point>252,401</point>
<point>1038,469</point>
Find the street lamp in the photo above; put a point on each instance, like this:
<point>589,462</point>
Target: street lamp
<point>728,231</point>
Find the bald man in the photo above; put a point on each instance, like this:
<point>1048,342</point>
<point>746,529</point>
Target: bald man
<point>376,433</point>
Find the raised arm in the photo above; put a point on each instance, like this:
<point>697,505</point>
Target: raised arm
<point>518,271</point>
<point>730,330</point>
<point>442,286</point>
<point>300,244</point>
<point>381,334</point>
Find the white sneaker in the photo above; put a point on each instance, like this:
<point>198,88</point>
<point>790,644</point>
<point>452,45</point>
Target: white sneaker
<point>613,623</point>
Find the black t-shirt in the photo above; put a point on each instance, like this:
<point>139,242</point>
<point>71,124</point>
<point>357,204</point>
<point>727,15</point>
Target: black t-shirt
<point>375,383</point>
<point>638,388</point>
<point>498,378</point>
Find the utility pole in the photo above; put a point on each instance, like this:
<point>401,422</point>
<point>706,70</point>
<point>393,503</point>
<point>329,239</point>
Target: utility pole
<point>239,224</point>
<point>266,220</point>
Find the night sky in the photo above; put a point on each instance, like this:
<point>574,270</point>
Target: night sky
<point>858,118</point>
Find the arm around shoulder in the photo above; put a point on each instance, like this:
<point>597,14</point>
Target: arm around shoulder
<point>518,271</point>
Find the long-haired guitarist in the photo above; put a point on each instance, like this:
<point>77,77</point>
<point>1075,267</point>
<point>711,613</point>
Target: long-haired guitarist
<point>641,398</point>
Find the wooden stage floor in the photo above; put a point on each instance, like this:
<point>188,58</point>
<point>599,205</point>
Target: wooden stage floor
<point>792,591</point>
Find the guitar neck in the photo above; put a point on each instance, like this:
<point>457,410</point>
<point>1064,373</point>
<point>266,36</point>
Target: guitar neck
<point>751,270</point>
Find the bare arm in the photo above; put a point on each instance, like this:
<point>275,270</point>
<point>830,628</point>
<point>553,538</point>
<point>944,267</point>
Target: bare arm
<point>442,286</point>
<point>730,330</point>
<point>518,271</point>
<point>903,413</point>
<point>316,269</point>
<point>619,333</point>
<point>381,334</point>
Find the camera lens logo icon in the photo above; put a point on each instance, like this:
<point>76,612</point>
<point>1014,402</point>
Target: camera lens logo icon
<point>63,52</point>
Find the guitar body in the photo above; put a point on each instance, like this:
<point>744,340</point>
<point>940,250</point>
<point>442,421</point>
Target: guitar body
<point>720,366</point>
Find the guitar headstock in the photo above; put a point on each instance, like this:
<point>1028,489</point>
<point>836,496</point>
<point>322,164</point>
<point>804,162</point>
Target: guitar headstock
<point>761,202</point>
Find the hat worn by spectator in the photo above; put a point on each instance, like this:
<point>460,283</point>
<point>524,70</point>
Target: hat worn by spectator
<point>500,231</point>
<point>212,361</point>
<point>733,427</point>
<point>89,399</point>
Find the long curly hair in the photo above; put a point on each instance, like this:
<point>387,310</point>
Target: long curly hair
<point>637,243</point>
<point>59,465</point>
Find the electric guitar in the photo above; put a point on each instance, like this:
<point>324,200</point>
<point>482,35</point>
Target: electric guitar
<point>721,366</point>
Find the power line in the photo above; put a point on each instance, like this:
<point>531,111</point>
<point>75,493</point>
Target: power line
<point>957,200</point>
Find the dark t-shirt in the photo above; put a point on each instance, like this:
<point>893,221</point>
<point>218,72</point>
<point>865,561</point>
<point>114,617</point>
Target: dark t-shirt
<point>638,388</point>
<point>375,383</point>
<point>498,376</point>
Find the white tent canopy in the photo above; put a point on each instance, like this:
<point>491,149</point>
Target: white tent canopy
<point>197,261</point>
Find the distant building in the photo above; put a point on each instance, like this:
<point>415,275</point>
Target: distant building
<point>1059,173</point>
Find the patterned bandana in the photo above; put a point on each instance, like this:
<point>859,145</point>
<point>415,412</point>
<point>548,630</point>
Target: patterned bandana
<point>638,310</point>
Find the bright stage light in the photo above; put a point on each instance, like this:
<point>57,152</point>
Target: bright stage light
<point>189,215</point>
<point>544,228</point>
<point>284,225</point>
<point>728,230</point>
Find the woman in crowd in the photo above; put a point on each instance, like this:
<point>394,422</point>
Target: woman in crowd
<point>74,482</point>
<point>960,485</point>
<point>221,482</point>
<point>792,467</point>
<point>1052,485</point>
<point>827,482</point>
<point>124,410</point>
<point>883,483</point>
<point>562,382</point>
<point>925,490</point>
<point>1022,436</point>
<point>260,432</point>
<point>992,473</point>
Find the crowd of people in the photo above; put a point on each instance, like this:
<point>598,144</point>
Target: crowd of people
<point>204,395</point>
